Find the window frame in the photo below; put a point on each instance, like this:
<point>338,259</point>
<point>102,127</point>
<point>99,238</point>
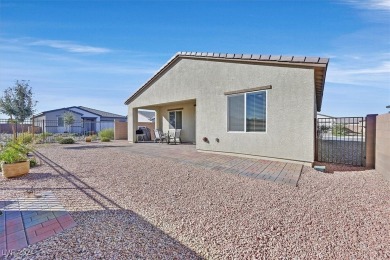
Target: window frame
<point>244,94</point>
<point>58,121</point>
<point>169,123</point>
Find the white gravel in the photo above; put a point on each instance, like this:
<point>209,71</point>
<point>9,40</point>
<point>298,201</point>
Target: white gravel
<point>133,206</point>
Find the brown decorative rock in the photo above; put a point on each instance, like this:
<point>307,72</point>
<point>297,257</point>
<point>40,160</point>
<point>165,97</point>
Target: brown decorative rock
<point>15,169</point>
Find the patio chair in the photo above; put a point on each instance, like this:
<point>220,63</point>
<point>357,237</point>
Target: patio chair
<point>160,136</point>
<point>174,136</point>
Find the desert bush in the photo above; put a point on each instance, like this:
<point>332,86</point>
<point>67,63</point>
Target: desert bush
<point>107,133</point>
<point>67,140</point>
<point>58,139</point>
<point>25,138</point>
<point>105,139</point>
<point>339,130</point>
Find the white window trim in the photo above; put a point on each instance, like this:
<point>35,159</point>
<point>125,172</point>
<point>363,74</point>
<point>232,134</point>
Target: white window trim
<point>245,132</point>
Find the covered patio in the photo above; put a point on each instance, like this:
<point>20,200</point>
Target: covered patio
<point>175,115</point>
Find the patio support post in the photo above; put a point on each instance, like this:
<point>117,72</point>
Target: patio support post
<point>157,120</point>
<point>132,124</point>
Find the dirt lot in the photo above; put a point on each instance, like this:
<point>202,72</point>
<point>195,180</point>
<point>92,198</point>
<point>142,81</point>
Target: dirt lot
<point>128,205</point>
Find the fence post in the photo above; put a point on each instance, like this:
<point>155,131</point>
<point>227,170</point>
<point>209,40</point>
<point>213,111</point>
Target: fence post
<point>43,130</point>
<point>33,130</point>
<point>16,131</point>
<point>370,140</point>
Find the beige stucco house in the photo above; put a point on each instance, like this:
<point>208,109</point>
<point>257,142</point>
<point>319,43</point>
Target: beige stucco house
<point>261,105</point>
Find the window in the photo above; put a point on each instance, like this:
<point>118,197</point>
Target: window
<point>247,112</point>
<point>175,119</point>
<point>60,121</point>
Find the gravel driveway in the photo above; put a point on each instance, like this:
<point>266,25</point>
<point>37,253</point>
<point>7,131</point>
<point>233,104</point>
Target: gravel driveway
<point>134,206</point>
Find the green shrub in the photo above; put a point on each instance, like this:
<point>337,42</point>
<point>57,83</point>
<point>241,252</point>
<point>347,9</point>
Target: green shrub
<point>13,153</point>
<point>107,133</point>
<point>339,130</point>
<point>58,139</point>
<point>40,138</point>
<point>105,139</point>
<point>25,138</point>
<point>33,162</point>
<point>67,140</point>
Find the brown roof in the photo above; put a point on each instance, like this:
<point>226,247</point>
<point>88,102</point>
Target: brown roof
<point>319,65</point>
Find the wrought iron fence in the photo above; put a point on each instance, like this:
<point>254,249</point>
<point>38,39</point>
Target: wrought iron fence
<point>341,140</point>
<point>47,131</point>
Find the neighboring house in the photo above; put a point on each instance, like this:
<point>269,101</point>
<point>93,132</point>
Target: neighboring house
<point>324,116</point>
<point>354,125</point>
<point>146,119</point>
<point>262,105</point>
<point>85,120</point>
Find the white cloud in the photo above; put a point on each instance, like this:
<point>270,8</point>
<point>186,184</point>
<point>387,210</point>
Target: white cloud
<point>372,71</point>
<point>60,79</point>
<point>383,5</point>
<point>70,47</point>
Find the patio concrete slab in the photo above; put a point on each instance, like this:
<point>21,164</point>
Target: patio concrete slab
<point>274,171</point>
<point>28,220</point>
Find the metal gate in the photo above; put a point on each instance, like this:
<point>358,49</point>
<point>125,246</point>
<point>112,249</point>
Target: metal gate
<point>341,140</point>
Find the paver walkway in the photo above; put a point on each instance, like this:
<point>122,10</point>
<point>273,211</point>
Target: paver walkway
<point>280,172</point>
<point>29,220</point>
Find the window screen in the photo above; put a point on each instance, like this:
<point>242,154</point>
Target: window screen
<point>236,113</point>
<point>255,111</point>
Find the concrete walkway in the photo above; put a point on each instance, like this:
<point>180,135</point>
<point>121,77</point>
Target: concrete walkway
<point>280,172</point>
<point>31,219</point>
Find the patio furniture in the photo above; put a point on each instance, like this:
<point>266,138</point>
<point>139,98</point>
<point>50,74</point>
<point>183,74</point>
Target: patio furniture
<point>174,136</point>
<point>139,133</point>
<point>160,136</point>
<point>146,132</point>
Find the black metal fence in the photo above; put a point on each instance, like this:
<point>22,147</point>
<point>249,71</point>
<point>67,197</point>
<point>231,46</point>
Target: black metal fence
<point>50,130</point>
<point>341,140</point>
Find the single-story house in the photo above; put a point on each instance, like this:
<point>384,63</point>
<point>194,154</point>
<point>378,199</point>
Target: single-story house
<point>261,105</point>
<point>319,115</point>
<point>85,120</point>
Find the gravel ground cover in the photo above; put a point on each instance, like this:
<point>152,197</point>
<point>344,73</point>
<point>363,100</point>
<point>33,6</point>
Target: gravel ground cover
<point>133,206</point>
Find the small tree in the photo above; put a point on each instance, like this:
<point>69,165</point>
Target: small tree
<point>17,102</point>
<point>68,119</point>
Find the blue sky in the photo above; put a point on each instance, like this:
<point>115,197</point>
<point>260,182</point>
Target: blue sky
<point>96,53</point>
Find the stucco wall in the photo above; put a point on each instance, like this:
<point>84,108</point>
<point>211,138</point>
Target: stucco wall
<point>382,150</point>
<point>290,105</point>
